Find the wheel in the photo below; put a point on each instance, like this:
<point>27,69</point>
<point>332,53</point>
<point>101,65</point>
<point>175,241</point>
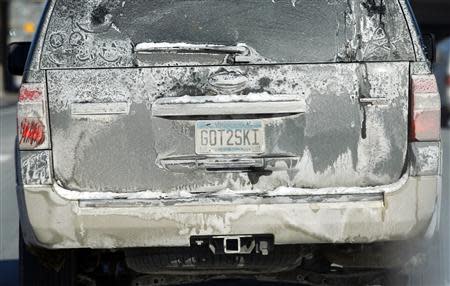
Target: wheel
<point>33,272</point>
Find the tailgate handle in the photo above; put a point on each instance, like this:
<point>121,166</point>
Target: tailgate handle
<point>238,164</point>
<point>228,105</point>
<point>213,164</point>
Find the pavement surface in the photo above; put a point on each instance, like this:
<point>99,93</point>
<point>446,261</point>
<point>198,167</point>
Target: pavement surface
<point>436,270</point>
<point>8,100</point>
<point>9,220</point>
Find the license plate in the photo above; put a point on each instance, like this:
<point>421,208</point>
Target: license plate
<point>229,137</point>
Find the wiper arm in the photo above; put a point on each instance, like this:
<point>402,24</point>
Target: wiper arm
<point>190,48</point>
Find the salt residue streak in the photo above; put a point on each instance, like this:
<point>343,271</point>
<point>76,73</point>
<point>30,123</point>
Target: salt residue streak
<point>252,97</point>
<point>174,46</point>
<point>180,195</point>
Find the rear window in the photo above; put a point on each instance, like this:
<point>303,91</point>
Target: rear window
<point>93,33</point>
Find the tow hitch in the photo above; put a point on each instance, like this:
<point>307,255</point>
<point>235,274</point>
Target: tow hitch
<point>235,244</point>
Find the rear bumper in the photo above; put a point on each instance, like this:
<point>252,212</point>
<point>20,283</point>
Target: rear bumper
<point>397,212</point>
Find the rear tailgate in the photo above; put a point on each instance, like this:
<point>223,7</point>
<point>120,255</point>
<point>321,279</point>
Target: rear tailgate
<point>319,125</point>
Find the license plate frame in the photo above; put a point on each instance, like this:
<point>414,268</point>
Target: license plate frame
<point>228,133</point>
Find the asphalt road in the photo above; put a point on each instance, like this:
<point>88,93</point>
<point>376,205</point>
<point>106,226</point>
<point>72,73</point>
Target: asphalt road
<point>9,221</point>
<point>436,272</point>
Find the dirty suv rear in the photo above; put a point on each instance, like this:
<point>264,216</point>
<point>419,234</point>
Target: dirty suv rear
<point>230,127</point>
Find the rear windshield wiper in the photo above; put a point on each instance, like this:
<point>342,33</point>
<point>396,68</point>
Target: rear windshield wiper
<point>190,48</point>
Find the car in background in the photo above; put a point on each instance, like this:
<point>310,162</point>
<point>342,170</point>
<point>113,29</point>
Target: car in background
<point>174,141</point>
<point>442,71</point>
<point>22,20</point>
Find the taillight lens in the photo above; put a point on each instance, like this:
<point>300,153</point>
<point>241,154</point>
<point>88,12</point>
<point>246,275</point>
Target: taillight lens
<point>425,109</point>
<point>32,117</point>
<point>447,80</point>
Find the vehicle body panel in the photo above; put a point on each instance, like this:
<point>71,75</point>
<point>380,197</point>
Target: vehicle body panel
<point>352,133</point>
<point>396,212</point>
<point>119,174</point>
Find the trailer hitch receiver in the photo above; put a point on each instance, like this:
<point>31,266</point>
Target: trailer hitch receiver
<point>235,244</point>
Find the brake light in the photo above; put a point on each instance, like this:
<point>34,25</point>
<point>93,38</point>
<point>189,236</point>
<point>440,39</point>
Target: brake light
<point>447,80</point>
<point>425,109</point>
<point>32,117</point>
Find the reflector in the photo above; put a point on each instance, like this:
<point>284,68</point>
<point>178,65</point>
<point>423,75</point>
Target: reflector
<point>425,109</point>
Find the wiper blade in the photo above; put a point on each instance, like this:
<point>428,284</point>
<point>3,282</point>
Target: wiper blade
<point>190,48</point>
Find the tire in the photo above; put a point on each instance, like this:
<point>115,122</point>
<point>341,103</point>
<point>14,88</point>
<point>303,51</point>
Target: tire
<point>32,272</point>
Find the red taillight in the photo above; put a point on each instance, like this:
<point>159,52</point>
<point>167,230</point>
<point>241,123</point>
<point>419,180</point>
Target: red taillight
<point>33,132</point>
<point>32,117</point>
<point>447,80</point>
<point>425,109</point>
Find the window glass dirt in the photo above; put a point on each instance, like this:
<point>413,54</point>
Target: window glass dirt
<point>90,33</point>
